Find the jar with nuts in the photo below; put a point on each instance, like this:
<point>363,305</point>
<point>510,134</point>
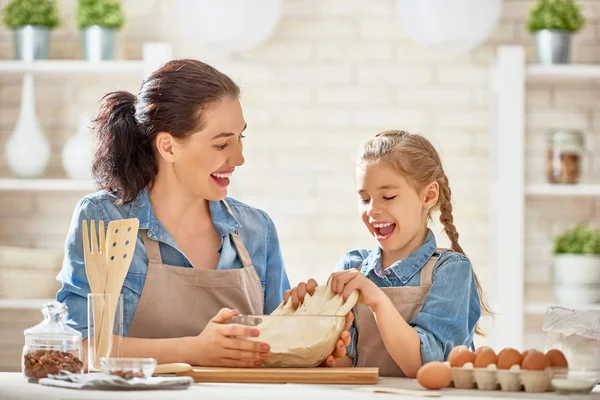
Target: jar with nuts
<point>51,346</point>
<point>565,153</point>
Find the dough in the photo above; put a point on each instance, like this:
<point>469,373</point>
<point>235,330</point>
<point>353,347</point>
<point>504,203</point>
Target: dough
<point>306,336</point>
<point>324,301</point>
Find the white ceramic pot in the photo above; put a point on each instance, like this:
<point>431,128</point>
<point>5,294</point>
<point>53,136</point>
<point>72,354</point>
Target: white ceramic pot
<point>78,152</point>
<point>576,269</point>
<point>577,279</point>
<point>27,150</point>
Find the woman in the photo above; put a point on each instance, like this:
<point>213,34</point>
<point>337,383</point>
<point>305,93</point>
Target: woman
<point>166,158</point>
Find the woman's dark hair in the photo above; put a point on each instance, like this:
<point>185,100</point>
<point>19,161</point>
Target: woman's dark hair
<point>171,99</point>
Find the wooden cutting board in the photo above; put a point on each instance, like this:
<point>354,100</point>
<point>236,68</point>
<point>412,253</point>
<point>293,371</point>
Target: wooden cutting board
<point>354,376</point>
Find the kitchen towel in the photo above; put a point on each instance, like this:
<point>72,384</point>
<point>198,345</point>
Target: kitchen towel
<point>100,381</point>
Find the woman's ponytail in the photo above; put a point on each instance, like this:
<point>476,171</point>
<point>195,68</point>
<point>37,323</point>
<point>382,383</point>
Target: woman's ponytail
<point>124,161</point>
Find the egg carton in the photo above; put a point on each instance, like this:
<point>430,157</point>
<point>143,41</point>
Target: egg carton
<point>506,380</point>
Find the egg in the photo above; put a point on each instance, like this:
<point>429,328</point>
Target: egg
<point>434,375</point>
<point>509,357</point>
<point>485,357</point>
<point>556,358</point>
<point>535,361</point>
<point>480,349</point>
<point>526,352</point>
<point>460,355</point>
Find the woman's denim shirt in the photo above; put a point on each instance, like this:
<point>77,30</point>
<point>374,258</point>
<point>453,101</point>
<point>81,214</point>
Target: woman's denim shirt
<point>451,309</point>
<point>255,227</point>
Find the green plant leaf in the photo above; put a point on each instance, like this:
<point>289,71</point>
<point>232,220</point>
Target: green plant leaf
<point>19,13</point>
<point>555,14</point>
<point>579,240</point>
<point>105,13</point>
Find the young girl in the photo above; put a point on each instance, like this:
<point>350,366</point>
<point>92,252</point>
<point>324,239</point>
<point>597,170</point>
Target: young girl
<point>416,301</point>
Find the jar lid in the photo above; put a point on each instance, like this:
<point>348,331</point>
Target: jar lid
<point>566,137</point>
<point>52,332</point>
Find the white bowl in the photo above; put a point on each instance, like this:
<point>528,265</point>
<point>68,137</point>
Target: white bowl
<point>573,380</point>
<point>128,368</point>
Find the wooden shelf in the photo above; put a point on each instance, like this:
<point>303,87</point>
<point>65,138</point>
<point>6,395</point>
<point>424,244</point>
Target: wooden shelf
<point>73,67</point>
<point>49,185</point>
<point>578,190</point>
<point>563,72</point>
<point>540,308</point>
<point>23,304</point>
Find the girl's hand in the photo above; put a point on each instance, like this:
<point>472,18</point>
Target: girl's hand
<point>216,345</point>
<point>345,282</point>
<point>342,343</point>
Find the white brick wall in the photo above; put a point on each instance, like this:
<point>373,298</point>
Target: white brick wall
<point>355,96</point>
<point>394,74</point>
<point>434,95</point>
<point>335,72</point>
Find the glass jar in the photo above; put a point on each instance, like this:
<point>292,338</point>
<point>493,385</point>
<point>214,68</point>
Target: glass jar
<point>565,153</point>
<point>51,346</point>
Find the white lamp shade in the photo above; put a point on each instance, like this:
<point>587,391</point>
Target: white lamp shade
<point>449,25</point>
<point>230,26</point>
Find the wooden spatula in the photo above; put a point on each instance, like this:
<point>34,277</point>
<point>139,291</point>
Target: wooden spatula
<point>121,239</point>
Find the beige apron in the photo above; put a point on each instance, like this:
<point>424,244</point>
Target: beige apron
<point>409,302</point>
<point>178,301</point>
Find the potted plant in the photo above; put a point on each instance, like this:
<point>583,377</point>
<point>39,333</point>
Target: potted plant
<point>554,22</point>
<point>577,266</point>
<point>99,22</point>
<point>31,22</point>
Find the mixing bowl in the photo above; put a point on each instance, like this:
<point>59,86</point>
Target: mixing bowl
<point>295,340</point>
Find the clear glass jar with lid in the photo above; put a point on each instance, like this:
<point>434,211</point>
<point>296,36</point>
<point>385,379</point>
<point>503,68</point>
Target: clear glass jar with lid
<point>51,346</point>
<point>564,162</point>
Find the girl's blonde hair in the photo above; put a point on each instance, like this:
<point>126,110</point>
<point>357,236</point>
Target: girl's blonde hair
<point>417,160</point>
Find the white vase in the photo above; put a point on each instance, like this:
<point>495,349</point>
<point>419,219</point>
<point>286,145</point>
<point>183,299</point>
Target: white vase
<point>27,150</point>
<point>78,151</point>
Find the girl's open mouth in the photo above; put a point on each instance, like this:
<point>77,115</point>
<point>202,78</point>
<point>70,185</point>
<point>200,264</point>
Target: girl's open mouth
<point>383,230</point>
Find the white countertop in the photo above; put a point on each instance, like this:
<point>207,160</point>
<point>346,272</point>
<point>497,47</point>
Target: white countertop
<point>14,386</point>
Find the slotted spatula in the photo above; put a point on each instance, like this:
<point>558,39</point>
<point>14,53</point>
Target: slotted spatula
<point>121,239</point>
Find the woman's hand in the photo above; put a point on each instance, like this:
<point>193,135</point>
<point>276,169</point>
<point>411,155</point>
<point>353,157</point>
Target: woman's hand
<point>216,345</point>
<point>345,282</point>
<point>297,295</point>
